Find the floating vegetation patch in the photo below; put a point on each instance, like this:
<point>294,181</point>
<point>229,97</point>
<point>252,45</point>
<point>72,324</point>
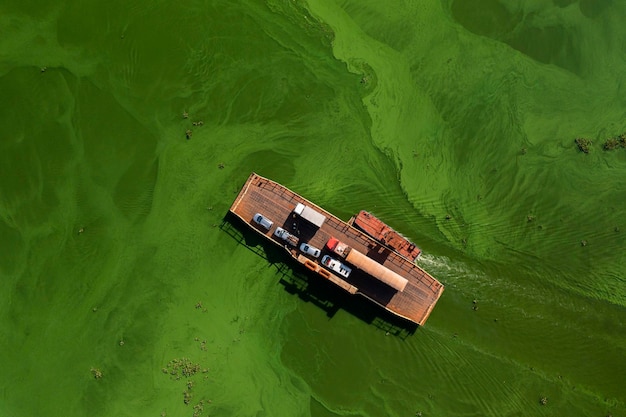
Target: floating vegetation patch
<point>181,367</point>
<point>185,368</point>
<point>615,142</point>
<point>583,144</point>
<point>97,373</point>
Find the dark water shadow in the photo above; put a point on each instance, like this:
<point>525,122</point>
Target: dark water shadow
<point>594,8</point>
<point>488,18</point>
<point>547,43</point>
<point>311,288</point>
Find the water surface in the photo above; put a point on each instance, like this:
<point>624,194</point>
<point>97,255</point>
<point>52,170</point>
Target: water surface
<point>453,122</point>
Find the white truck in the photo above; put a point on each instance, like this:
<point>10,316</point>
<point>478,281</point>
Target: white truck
<point>286,236</point>
<point>336,266</point>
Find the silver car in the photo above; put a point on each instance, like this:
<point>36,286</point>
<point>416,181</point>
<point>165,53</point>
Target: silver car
<point>310,250</point>
<point>263,221</point>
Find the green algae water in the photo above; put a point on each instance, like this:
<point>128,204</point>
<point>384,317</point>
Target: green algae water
<point>127,128</point>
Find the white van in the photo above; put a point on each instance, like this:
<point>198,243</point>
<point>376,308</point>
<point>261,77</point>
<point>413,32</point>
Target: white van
<point>263,221</point>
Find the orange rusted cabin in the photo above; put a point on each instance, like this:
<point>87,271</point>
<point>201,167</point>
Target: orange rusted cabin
<point>380,231</point>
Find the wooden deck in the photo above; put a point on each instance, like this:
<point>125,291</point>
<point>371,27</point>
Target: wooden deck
<point>276,202</point>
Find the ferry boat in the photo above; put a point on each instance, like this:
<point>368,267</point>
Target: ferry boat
<point>383,233</point>
<point>336,250</point>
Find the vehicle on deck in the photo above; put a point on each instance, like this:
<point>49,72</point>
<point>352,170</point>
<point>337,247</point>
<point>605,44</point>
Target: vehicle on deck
<point>286,236</point>
<point>336,266</point>
<point>310,250</point>
<point>263,221</point>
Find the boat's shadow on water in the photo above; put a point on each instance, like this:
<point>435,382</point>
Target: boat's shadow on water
<point>312,288</point>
